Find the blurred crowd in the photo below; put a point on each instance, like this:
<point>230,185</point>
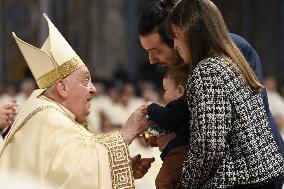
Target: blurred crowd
<point>275,93</point>
<point>116,100</point>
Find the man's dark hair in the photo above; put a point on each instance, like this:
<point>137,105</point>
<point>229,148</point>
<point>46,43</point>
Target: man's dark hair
<point>154,18</point>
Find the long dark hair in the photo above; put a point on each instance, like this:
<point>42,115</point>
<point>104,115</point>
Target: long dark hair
<point>207,35</point>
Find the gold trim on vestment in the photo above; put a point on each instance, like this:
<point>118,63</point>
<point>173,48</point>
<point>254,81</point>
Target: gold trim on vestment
<point>119,158</point>
<point>60,72</point>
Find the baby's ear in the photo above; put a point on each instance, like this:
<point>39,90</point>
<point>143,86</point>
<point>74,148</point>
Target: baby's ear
<point>181,90</point>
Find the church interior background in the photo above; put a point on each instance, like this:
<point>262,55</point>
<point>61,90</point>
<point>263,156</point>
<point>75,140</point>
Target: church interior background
<point>104,33</point>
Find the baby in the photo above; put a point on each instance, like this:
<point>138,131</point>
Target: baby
<point>173,117</point>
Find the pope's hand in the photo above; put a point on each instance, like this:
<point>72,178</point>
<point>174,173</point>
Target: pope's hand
<point>135,125</point>
<point>140,166</point>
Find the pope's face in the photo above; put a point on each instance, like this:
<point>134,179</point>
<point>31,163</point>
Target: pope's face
<point>80,91</point>
<point>159,52</point>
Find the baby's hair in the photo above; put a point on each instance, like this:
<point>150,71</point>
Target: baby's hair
<point>178,74</point>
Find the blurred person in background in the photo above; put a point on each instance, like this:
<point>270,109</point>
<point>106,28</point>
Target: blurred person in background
<point>8,108</point>
<point>128,101</point>
<point>280,124</point>
<point>26,89</point>
<point>111,113</point>
<point>148,92</point>
<point>1,89</point>
<point>9,94</point>
<point>115,108</point>
<point>276,101</point>
<point>282,89</point>
<point>7,114</point>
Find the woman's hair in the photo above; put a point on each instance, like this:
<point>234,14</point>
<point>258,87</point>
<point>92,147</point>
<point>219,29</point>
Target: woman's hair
<point>207,35</point>
<point>178,74</point>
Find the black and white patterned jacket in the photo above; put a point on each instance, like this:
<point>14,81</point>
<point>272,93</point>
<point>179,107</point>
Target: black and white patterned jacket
<point>230,139</point>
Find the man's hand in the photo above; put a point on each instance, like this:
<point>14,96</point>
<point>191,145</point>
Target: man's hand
<point>7,114</point>
<point>140,166</point>
<point>135,125</point>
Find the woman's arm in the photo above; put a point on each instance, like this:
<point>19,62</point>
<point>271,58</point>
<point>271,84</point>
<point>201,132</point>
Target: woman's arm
<point>211,115</point>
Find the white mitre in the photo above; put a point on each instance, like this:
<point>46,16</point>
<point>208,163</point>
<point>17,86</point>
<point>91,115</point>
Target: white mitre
<point>53,61</point>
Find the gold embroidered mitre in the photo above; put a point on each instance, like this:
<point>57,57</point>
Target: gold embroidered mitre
<point>53,61</point>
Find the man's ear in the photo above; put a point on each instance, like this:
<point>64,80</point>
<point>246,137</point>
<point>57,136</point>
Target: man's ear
<point>181,90</point>
<point>61,89</point>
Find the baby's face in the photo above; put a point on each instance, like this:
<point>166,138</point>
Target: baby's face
<point>171,91</point>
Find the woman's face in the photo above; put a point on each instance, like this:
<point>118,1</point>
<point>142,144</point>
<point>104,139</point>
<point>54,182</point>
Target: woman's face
<point>180,44</point>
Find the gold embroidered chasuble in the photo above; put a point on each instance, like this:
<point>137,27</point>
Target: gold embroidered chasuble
<point>47,144</point>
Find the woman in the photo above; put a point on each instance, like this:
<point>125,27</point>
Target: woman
<point>231,144</point>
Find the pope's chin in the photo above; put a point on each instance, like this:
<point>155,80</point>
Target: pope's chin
<point>87,112</point>
<point>88,108</point>
<point>82,119</point>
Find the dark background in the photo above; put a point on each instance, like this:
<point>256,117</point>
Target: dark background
<point>104,34</point>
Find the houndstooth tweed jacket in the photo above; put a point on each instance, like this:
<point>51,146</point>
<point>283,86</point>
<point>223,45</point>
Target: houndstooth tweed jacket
<point>230,141</point>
